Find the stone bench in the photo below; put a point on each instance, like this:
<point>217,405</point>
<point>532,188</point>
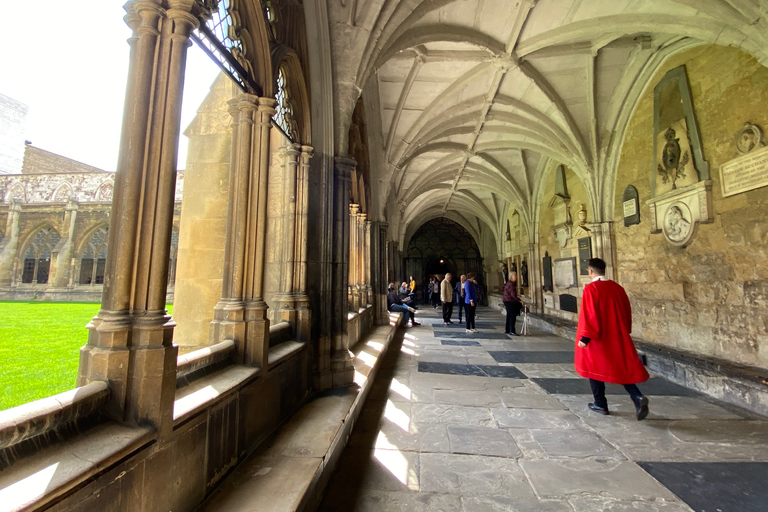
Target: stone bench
<point>291,471</point>
<point>51,446</point>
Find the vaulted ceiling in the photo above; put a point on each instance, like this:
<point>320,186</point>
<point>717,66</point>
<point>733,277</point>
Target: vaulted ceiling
<point>475,100</point>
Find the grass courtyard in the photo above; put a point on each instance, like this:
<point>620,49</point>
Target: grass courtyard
<point>40,348</point>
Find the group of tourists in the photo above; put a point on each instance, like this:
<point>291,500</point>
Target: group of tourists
<point>604,349</point>
<point>464,294</point>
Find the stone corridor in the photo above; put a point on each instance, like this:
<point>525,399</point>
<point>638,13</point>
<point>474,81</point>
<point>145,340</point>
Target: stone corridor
<point>487,422</point>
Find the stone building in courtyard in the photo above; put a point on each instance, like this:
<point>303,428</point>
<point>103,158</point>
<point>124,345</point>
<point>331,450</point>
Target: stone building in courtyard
<point>54,220</point>
<point>349,144</point>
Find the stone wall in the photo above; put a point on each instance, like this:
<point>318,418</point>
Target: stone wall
<point>709,297</point>
<point>203,223</point>
<point>548,219</point>
<point>13,121</point>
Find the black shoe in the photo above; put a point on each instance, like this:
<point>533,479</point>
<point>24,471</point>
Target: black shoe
<point>512,333</point>
<point>597,408</point>
<point>642,408</point>
<point>414,324</point>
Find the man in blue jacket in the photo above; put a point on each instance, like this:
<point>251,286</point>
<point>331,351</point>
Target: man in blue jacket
<point>470,301</point>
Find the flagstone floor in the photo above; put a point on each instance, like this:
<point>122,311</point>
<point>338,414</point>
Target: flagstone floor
<point>488,422</point>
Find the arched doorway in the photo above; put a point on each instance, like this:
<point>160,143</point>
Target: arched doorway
<point>440,246</point>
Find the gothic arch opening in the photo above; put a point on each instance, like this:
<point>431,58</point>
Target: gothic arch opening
<point>439,246</point>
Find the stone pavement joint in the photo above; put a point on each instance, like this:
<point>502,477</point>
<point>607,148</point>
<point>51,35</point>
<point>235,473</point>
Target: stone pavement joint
<point>445,428</point>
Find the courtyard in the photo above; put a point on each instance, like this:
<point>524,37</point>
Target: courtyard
<point>40,348</point>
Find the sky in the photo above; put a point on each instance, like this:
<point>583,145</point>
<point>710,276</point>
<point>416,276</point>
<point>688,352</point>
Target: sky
<point>69,65</point>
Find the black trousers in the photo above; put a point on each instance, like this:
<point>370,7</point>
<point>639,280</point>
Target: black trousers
<point>470,315</point>
<point>461,305</point>
<point>447,311</point>
<point>598,391</point>
<point>513,309</point>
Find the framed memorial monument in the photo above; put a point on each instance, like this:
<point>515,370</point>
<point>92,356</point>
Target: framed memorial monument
<point>681,190</point>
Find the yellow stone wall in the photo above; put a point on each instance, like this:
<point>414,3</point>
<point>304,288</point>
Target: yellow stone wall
<point>710,297</point>
<point>203,227</point>
<point>547,241</point>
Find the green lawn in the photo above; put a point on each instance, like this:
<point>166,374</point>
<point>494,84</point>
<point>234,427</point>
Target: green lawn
<point>40,348</point>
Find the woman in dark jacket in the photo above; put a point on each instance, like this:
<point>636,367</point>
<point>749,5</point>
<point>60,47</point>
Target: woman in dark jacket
<point>512,303</point>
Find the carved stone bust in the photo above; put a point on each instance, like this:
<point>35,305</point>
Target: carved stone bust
<point>677,227</point>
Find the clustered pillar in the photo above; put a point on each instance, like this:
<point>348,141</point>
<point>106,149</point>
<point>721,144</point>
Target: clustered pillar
<point>130,341</point>
<point>241,314</point>
<point>342,371</point>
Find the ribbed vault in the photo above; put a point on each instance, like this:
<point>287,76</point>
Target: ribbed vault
<point>480,99</point>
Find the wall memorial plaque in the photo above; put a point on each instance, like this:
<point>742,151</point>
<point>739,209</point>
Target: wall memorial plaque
<point>630,203</point>
<point>568,303</point>
<point>585,253</point>
<point>745,173</point>
<point>565,272</point>
<point>546,266</point>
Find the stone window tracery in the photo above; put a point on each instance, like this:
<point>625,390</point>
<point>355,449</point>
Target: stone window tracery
<point>63,193</point>
<point>219,37</point>
<point>94,259</point>
<point>284,110</point>
<point>37,257</point>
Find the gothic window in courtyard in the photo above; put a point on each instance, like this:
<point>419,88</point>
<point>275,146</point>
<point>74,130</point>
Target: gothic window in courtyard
<point>284,110</point>
<point>94,259</point>
<point>37,257</point>
<point>174,254</point>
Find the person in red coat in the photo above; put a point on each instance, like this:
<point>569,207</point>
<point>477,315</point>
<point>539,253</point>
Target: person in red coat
<point>604,350</point>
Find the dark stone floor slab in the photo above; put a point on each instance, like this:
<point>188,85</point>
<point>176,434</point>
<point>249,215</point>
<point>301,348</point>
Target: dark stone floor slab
<point>509,372</point>
<point>460,343</point>
<point>713,486</point>
<point>531,356</point>
<point>459,333</point>
<point>456,325</point>
<point>652,387</point>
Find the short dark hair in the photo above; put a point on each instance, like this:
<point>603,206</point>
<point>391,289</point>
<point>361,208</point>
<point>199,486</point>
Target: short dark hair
<point>597,265</point>
<point>391,286</point>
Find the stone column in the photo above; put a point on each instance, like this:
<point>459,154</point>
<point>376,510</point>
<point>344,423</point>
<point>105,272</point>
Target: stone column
<point>303,320</point>
<point>284,297</point>
<point>61,259</point>
<point>9,244</point>
<point>379,282</point>
<point>342,370</point>
<point>130,343</point>
<point>241,314</point>
<point>354,258</point>
<point>367,261</point>
<point>534,278</point>
<point>603,245</point>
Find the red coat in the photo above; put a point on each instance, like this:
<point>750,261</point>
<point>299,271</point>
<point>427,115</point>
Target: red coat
<point>606,319</point>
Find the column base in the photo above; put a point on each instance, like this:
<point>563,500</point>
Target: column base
<point>254,349</point>
<point>136,355</point>
<point>228,322</point>
<point>342,370</point>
